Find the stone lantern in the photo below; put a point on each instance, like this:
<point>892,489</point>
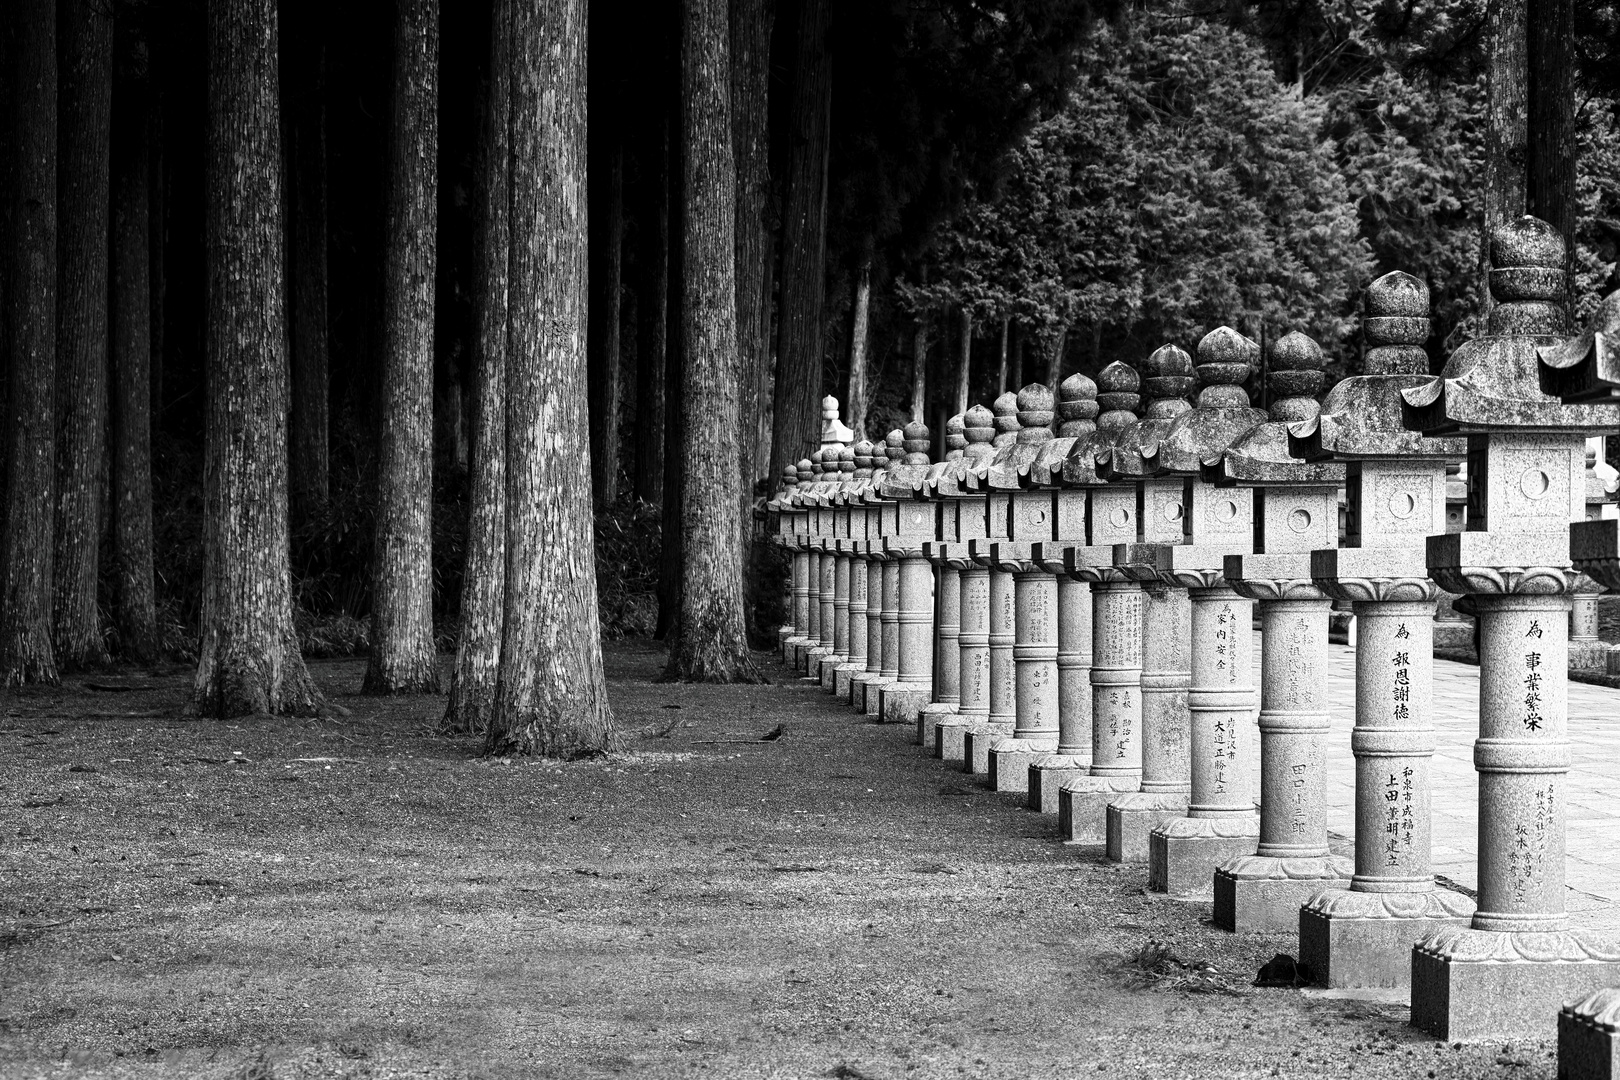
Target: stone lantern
<point>1506,974</point>
<point>1116,618</point>
<point>1032,518</point>
<point>1077,414</point>
<point>1184,852</point>
<point>1166,665</point>
<point>947,587</point>
<point>1003,669</point>
<point>1396,497</point>
<point>1296,511</point>
<point>856,545</point>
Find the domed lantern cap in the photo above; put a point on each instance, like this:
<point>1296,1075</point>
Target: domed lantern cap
<point>1168,378</point>
<point>1223,414</point>
<point>1586,368</point>
<point>1493,383</point>
<point>907,478</point>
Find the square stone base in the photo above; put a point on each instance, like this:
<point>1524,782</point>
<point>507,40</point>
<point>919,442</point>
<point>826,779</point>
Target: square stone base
<point>843,680</point>
<point>902,703</point>
<point>950,739</point>
<point>1083,807</point>
<point>1268,905</point>
<point>929,719</point>
<point>1128,826</point>
<point>1486,1000</point>
<point>1184,854</point>
<point>1371,948</point>
<point>858,685</point>
<point>812,662</point>
<point>1588,1048</point>
<point>1009,764</point>
<point>829,671</point>
<point>1048,775</point>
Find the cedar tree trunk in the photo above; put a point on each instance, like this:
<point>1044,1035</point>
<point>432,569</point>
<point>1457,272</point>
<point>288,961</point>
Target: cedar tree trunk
<point>751,22</point>
<point>83,136</point>
<point>796,431</point>
<point>1507,79</point>
<point>1001,373</point>
<point>25,602</point>
<point>709,644</point>
<point>1054,358</point>
<point>552,697</point>
<point>1554,148</point>
<point>919,370</point>
<point>134,605</point>
<point>402,653</point>
<point>483,590</point>
<point>249,659</point>
<point>964,362</point>
<point>859,338</point>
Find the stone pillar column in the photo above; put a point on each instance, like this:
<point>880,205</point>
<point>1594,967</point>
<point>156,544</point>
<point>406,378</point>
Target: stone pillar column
<point>1003,674</point>
<point>889,620</point>
<point>1116,708</point>
<point>903,700</point>
<point>1586,648</point>
<point>840,621</point>
<point>1221,822</point>
<point>801,606</point>
<point>812,636</point>
<point>973,661</point>
<point>947,647</point>
<point>1264,890</point>
<point>1035,674</point>
<point>1166,768</point>
<point>873,675</point>
<point>855,663</point>
<point>1072,758</point>
<point>827,606</point>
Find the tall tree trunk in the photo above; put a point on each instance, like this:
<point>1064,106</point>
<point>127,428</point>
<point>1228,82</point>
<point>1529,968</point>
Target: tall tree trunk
<point>919,370</point>
<point>709,643</point>
<point>308,421</point>
<point>607,247</point>
<point>804,242</point>
<point>1054,357</point>
<point>1554,148</point>
<point>158,246</point>
<point>1002,372</point>
<point>402,653</point>
<point>552,698</point>
<point>652,313</point>
<point>751,22</point>
<point>249,660</point>
<point>1507,79</point>
<point>1015,374</point>
<point>25,601</point>
<point>474,684</point>
<point>134,604</point>
<point>964,359</point>
<point>83,135</point>
<point>859,336</point>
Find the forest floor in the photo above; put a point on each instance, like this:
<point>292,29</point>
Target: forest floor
<point>363,898</point>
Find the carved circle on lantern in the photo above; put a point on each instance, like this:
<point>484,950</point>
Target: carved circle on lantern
<point>1402,504</point>
<point>1172,511</point>
<point>1036,515</point>
<point>1300,519</point>
<point>1534,483</point>
<point>1226,510</point>
<point>1119,516</point>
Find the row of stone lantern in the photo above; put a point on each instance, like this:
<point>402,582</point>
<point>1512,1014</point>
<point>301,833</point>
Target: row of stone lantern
<point>1065,606</point>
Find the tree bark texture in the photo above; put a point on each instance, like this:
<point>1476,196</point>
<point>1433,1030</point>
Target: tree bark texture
<point>669,569</point>
<point>860,333</point>
<point>919,371</point>
<point>606,262</point>
<point>652,313</point>
<point>1054,358</point>
<point>964,358</point>
<point>483,591</point>
<point>134,601</point>
<point>25,602</point>
<point>1554,149</point>
<point>1001,373</point>
<point>83,142</point>
<point>1507,150</point>
<point>709,643</point>
<point>552,697</point>
<point>750,28</point>
<point>249,658</point>
<point>402,652</point>
<point>796,432</point>
<point>156,246</point>
<point>309,420</point>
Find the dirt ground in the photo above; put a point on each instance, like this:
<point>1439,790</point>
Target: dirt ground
<point>362,898</point>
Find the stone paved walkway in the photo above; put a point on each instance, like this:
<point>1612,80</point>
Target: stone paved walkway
<point>1592,873</point>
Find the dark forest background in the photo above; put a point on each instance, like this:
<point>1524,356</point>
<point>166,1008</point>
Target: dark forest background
<point>1010,196</point>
